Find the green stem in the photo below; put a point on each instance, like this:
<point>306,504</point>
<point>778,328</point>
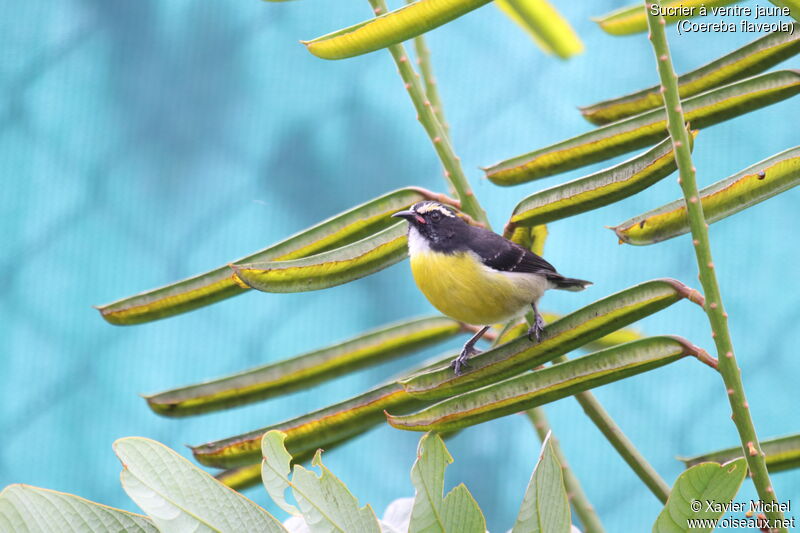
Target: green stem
<point>453,172</point>
<point>717,317</point>
<point>621,443</point>
<point>586,513</point>
<point>426,69</point>
<point>614,434</point>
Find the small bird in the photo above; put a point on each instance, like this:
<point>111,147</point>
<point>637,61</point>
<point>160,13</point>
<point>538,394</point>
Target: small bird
<point>475,275</point>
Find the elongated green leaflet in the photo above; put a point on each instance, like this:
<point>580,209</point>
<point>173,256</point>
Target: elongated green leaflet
<point>546,385</point>
<point>702,110</point>
<point>595,190</point>
<point>241,477</point>
<point>219,284</point>
<point>352,417</point>
<point>568,333</point>
<point>390,28</point>
<point>546,26</point>
<point>318,429</point>
<point>782,453</point>
<point>633,19</point>
<point>328,269</point>
<point>749,187</point>
<point>305,370</point>
<point>748,60</point>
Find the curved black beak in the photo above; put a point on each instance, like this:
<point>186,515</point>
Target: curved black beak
<point>408,215</point>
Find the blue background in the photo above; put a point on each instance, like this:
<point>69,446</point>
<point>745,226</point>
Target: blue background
<point>145,141</point>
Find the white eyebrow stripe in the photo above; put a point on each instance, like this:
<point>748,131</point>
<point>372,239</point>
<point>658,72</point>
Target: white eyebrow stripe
<point>432,206</point>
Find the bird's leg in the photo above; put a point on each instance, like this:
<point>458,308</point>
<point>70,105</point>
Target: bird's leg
<point>468,350</point>
<point>537,328</point>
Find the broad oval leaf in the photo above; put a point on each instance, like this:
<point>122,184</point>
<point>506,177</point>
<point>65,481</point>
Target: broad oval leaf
<point>702,110</point>
<point>782,453</point>
<point>432,512</point>
<point>595,190</point>
<point>390,28</point>
<point>753,58</point>
<point>326,503</point>
<point>722,199</point>
<point>701,483</point>
<point>566,334</point>
<point>219,284</point>
<point>633,19</point>
<point>546,385</point>
<point>318,429</point>
<point>306,370</point>
<point>328,269</point>
<point>179,497</point>
<point>250,475</point>
<point>26,509</point>
<point>546,26</point>
<point>545,507</point>
<point>275,469</point>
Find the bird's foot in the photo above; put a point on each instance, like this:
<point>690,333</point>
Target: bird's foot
<point>537,329</point>
<point>460,362</point>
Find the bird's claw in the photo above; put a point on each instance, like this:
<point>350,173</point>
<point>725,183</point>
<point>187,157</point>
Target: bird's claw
<point>460,362</point>
<point>537,329</point>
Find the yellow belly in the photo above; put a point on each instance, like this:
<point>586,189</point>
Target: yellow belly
<point>459,286</point>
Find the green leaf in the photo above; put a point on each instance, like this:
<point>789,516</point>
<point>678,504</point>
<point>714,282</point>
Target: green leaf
<point>546,26</point>
<point>327,504</point>
<point>431,513</point>
<point>282,377</point>
<point>595,190</point>
<point>570,332</point>
<point>205,289</point>
<point>352,417</point>
<point>547,385</point>
<point>782,453</point>
<point>26,509</point>
<point>241,477</point>
<point>722,199</point>
<point>178,496</point>
<point>633,19</point>
<point>701,111</point>
<point>753,58</point>
<point>792,5</point>
<point>318,429</point>
<point>328,269</point>
<point>275,469</point>
<point>390,28</point>
<point>701,483</point>
<point>620,336</point>
<point>545,507</point>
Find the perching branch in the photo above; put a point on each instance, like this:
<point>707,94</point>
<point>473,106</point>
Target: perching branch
<point>717,316</point>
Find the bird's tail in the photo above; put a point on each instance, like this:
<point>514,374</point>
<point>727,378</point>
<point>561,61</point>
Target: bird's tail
<point>567,284</point>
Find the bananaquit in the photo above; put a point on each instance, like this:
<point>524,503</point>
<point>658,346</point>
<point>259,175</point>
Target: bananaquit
<point>474,275</point>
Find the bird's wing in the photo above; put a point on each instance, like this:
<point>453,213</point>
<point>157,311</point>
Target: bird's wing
<point>501,254</point>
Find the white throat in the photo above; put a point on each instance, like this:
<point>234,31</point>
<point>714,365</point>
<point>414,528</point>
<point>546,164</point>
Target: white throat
<point>417,244</point>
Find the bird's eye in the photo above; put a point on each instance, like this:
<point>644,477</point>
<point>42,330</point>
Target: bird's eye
<point>435,216</point>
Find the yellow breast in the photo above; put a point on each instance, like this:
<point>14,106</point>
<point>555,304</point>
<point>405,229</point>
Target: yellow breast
<point>460,286</point>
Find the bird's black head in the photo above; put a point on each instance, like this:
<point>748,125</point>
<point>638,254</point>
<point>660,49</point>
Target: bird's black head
<point>437,224</point>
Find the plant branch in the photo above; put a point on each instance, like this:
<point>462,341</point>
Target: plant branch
<point>580,503</point>
<point>453,172</point>
<point>612,432</point>
<point>426,69</point>
<point>717,317</point>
